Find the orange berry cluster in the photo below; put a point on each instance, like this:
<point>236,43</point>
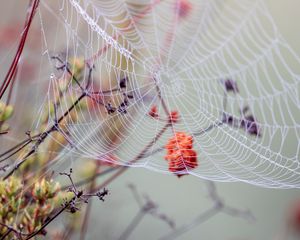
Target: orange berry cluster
<point>180,154</point>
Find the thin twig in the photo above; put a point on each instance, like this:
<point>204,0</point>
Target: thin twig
<point>55,127</point>
<point>78,195</point>
<point>89,179</point>
<point>88,208</point>
<point>43,136</point>
<point>19,145</point>
<point>6,234</point>
<point>49,220</point>
<point>19,234</point>
<point>16,151</point>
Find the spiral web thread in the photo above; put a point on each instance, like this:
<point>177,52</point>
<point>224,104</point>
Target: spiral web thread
<point>189,56</point>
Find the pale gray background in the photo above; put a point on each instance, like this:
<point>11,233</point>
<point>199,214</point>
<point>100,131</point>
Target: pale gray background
<point>185,198</point>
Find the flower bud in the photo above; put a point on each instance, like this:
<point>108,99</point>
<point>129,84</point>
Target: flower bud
<point>6,112</point>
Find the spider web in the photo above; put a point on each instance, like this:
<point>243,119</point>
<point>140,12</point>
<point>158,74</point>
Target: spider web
<point>188,54</point>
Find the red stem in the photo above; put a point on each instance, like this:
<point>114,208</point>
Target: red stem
<point>13,67</point>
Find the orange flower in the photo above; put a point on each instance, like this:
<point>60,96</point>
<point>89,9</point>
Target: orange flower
<point>180,154</point>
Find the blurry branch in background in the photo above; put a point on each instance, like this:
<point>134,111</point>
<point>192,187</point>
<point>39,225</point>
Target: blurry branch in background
<point>219,206</point>
<point>146,207</point>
